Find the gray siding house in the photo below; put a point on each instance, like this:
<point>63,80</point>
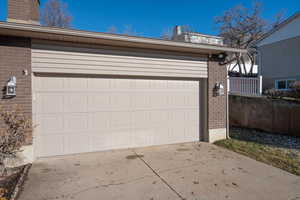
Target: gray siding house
<point>279,54</point>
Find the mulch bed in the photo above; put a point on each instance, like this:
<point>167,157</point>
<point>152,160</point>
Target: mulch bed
<point>10,185</point>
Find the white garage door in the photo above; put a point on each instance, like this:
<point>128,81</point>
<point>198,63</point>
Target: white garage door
<point>84,114</point>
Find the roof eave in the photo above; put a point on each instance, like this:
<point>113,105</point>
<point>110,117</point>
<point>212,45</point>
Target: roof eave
<point>50,33</point>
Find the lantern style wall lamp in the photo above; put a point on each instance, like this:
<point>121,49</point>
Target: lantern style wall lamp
<point>11,87</point>
<point>219,90</point>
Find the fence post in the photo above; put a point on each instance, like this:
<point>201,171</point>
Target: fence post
<point>228,84</point>
<point>260,85</point>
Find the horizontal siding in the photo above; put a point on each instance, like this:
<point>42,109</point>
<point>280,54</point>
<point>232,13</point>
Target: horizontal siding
<point>64,59</point>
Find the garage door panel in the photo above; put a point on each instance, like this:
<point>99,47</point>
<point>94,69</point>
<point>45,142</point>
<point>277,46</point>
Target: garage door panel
<point>192,100</point>
<point>158,85</point>
<point>49,103</point>
<point>98,102</point>
<point>49,84</point>
<point>140,100</point>
<point>76,122</point>
<point>157,117</point>
<point>191,129</point>
<point>48,123</point>
<point>95,84</point>
<point>159,100</point>
<point>119,138</point>
<point>140,119</point>
<point>96,114</point>
<point>75,102</point>
<point>100,142</point>
<point>49,145</point>
<point>120,101</point>
<point>78,143</point>
<point>120,120</point>
<point>121,84</point>
<point>141,84</point>
<point>75,84</point>
<point>99,121</point>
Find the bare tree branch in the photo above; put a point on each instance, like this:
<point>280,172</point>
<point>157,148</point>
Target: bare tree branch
<point>55,14</point>
<point>241,27</point>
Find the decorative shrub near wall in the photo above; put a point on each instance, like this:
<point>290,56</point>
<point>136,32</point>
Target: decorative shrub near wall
<point>262,113</point>
<point>293,92</point>
<point>13,135</point>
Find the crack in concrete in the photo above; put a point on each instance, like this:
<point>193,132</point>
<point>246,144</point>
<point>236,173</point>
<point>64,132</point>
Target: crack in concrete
<point>161,178</point>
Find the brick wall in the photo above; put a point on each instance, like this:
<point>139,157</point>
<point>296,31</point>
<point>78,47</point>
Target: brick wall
<point>216,104</point>
<point>15,56</point>
<point>23,10</point>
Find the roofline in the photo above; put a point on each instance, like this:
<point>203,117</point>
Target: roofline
<point>279,26</point>
<point>42,32</point>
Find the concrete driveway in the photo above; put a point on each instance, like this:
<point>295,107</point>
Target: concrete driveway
<point>193,171</point>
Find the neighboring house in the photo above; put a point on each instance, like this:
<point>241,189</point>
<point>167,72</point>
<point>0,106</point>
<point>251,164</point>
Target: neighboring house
<point>193,37</point>
<point>88,91</point>
<point>279,54</point>
<point>179,34</point>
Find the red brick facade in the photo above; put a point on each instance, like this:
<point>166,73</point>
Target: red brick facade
<point>15,56</point>
<point>216,104</point>
<point>24,10</point>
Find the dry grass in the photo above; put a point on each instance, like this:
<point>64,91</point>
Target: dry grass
<point>277,155</point>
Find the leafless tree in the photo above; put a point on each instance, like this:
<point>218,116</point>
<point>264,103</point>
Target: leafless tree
<point>241,27</point>
<point>55,14</point>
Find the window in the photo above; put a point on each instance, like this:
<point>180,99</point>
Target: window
<point>284,84</point>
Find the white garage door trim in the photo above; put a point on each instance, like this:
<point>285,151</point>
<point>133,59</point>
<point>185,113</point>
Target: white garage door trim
<point>84,114</point>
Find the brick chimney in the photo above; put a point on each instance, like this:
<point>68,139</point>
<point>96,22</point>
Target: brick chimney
<point>23,11</point>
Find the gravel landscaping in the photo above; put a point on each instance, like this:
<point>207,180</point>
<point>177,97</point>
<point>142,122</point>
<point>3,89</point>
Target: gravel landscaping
<point>277,150</point>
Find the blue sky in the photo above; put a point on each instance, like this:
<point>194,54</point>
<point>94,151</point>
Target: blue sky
<point>151,18</point>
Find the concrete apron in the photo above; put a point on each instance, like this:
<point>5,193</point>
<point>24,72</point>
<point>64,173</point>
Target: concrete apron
<point>185,171</point>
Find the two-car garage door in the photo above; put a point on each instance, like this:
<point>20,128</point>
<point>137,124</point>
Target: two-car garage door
<point>77,115</point>
<point>78,112</point>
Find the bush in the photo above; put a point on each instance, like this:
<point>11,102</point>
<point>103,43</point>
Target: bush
<point>294,92</point>
<point>296,86</point>
<point>274,93</point>
<point>13,136</point>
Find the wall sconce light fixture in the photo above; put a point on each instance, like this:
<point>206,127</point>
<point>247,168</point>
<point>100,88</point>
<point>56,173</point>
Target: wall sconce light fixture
<point>219,90</point>
<point>11,87</point>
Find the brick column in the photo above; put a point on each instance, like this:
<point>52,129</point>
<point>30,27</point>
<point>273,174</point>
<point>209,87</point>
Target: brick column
<point>216,104</point>
<point>15,56</point>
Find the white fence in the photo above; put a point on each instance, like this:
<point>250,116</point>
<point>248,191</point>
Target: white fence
<point>245,85</point>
